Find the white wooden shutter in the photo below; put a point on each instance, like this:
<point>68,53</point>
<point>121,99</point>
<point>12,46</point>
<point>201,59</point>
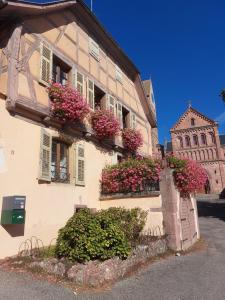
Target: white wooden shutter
<point>111,104</point>
<point>80,165</point>
<point>91,93</point>
<point>94,49</point>
<point>119,74</point>
<point>78,81</point>
<point>45,65</point>
<point>133,121</point>
<point>45,156</point>
<point>119,113</point>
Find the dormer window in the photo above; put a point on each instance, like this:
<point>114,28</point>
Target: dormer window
<point>192,122</point>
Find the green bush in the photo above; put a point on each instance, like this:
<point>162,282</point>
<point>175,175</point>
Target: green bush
<point>88,236</point>
<point>131,221</point>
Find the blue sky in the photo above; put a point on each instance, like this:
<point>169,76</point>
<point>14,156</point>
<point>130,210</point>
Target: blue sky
<point>181,46</point>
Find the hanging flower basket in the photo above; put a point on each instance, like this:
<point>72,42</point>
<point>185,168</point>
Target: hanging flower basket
<point>132,139</point>
<point>104,124</point>
<point>67,104</point>
<point>189,176</point>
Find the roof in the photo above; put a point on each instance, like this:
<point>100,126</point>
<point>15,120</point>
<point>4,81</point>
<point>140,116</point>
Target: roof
<point>222,139</point>
<point>190,108</point>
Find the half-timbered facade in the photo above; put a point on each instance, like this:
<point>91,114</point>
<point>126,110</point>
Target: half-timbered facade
<point>57,166</point>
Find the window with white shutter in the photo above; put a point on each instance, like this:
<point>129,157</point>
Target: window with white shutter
<point>119,113</point>
<point>94,49</point>
<point>91,93</point>
<point>80,165</point>
<point>111,104</point>
<point>133,120</point>
<point>45,156</point>
<point>119,74</point>
<point>79,82</point>
<point>45,65</point>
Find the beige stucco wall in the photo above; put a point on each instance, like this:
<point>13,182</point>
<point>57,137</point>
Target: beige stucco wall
<point>152,205</point>
<point>48,206</point>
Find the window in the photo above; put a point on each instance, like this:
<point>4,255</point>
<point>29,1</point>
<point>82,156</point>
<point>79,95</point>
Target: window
<point>192,122</point>
<point>195,140</point>
<point>60,71</point>
<point>45,64</point>
<point>119,74</point>
<point>91,93</point>
<point>99,97</point>
<point>79,82</point>
<point>212,136</point>
<point>125,117</point>
<point>60,161</point>
<point>180,142</point>
<point>94,49</point>
<point>203,139</point>
<point>119,113</point>
<point>187,141</point>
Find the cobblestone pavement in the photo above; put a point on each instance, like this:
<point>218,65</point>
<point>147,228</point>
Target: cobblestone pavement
<point>198,276</point>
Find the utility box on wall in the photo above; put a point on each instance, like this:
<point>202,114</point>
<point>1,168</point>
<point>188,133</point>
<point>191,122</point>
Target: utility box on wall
<point>13,210</point>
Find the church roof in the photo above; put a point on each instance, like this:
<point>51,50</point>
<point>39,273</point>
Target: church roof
<point>196,112</point>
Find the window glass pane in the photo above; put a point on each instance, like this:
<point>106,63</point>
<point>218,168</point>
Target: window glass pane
<point>54,159</point>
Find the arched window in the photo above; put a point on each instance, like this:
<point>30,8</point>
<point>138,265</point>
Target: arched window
<point>203,139</point>
<point>187,141</point>
<point>180,142</point>
<point>192,122</point>
<point>212,138</point>
<point>195,140</point>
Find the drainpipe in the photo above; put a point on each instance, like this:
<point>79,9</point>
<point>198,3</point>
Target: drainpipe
<point>3,3</point>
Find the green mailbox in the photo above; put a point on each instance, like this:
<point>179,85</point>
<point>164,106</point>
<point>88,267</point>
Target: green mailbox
<point>13,210</point>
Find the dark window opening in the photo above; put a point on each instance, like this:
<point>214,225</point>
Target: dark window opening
<point>215,171</point>
<point>187,141</point>
<point>203,139</point>
<point>213,141</point>
<point>195,140</point>
<point>60,161</point>
<point>60,72</point>
<point>180,142</point>
<point>125,117</point>
<point>99,96</point>
<point>217,181</point>
<point>192,122</point>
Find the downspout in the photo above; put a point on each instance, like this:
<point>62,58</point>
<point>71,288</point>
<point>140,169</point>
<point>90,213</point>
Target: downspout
<point>3,3</point>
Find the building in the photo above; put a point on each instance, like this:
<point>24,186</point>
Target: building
<point>57,167</point>
<point>196,137</point>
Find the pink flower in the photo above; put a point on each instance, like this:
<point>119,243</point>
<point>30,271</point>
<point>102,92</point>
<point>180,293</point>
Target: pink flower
<point>132,140</point>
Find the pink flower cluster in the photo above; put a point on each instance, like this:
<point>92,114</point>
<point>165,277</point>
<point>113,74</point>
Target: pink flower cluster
<point>104,124</point>
<point>67,104</point>
<point>132,139</point>
<point>130,175</point>
<point>191,178</point>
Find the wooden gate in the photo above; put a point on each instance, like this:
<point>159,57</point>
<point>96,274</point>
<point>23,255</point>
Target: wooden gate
<point>188,222</point>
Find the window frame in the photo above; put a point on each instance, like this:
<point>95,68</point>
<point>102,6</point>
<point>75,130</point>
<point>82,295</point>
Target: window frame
<point>58,158</point>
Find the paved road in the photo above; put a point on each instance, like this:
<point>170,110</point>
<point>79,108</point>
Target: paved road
<point>198,276</point>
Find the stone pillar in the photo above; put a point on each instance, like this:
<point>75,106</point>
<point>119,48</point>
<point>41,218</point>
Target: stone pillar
<point>170,208</point>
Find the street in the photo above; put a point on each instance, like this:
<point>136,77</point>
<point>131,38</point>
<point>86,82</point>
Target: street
<point>198,275</point>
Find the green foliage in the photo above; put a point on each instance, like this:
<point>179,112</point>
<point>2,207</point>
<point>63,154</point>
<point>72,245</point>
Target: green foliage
<point>176,163</point>
<point>88,236</point>
<point>131,221</point>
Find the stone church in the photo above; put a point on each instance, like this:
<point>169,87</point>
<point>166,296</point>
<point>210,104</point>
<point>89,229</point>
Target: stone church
<point>196,137</point>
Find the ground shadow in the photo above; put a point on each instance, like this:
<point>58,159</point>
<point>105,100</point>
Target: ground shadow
<point>210,209</point>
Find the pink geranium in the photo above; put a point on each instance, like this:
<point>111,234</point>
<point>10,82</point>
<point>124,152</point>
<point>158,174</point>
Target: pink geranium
<point>130,175</point>
<point>104,124</point>
<point>132,139</point>
<point>67,104</point>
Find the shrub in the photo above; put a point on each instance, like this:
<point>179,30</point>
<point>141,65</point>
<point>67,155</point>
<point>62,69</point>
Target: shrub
<point>67,104</point>
<point>189,176</point>
<point>131,221</point>
<point>130,175</point>
<point>132,139</point>
<point>104,124</point>
<point>88,236</point>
